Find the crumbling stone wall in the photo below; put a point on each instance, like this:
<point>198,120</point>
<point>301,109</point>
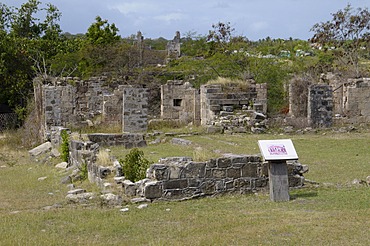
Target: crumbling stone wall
<point>356,98</point>
<point>174,47</point>
<point>320,105</point>
<point>82,153</point>
<point>180,101</point>
<point>74,102</point>
<point>128,140</point>
<point>214,97</point>
<point>178,178</point>
<point>349,103</point>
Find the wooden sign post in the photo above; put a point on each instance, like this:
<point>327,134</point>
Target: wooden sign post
<point>277,152</point>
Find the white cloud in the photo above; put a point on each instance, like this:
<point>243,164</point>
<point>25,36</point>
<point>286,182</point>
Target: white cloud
<point>171,17</point>
<point>133,7</point>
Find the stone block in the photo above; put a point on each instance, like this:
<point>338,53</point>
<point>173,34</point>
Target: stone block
<point>194,183</point>
<point>242,183</point>
<point>250,170</point>
<point>194,170</point>
<point>153,190</point>
<point>208,187</point>
<point>41,149</point>
<point>223,162</point>
<point>212,163</point>
<point>173,193</point>
<point>218,173</point>
<point>130,188</point>
<point>219,186</point>
<point>175,184</point>
<point>233,172</point>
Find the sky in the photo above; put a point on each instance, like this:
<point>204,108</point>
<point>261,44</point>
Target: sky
<point>253,19</point>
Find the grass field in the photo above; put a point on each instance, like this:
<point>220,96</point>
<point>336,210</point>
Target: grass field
<point>334,213</point>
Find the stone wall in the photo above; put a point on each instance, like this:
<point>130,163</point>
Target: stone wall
<point>127,140</point>
<point>356,98</point>
<point>74,102</point>
<point>135,109</point>
<point>82,153</point>
<point>179,178</point>
<point>320,105</point>
<point>350,99</point>
<point>214,97</point>
<point>180,101</point>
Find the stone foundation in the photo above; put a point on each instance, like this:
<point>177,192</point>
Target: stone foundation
<point>179,178</point>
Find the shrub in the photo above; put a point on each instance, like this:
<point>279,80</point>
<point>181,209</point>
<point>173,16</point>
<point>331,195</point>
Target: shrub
<point>83,172</point>
<point>134,165</point>
<point>65,145</point>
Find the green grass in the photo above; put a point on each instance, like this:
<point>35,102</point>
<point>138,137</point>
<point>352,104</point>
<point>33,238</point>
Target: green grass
<point>326,215</point>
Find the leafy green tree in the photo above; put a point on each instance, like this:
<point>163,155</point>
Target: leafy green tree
<point>101,32</point>
<point>25,48</point>
<point>345,34</point>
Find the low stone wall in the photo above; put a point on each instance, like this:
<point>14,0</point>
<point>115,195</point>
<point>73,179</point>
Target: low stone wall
<point>128,140</point>
<point>179,178</point>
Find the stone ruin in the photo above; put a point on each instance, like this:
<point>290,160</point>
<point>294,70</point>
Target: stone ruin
<point>72,102</point>
<point>232,108</point>
<point>181,178</point>
<point>219,107</point>
<point>333,100</point>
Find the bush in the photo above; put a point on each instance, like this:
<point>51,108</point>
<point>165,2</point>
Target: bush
<point>64,146</point>
<point>134,165</point>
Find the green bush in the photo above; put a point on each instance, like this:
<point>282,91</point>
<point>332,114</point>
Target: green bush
<point>134,165</point>
<point>64,146</point>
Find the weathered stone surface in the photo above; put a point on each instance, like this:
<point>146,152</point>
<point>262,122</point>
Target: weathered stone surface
<point>233,172</point>
<point>250,170</point>
<point>80,198</point>
<point>141,206</point>
<point>153,190</point>
<point>41,149</point>
<point>223,162</point>
<point>111,199</point>
<point>130,188</point>
<point>139,200</point>
<point>180,141</point>
<point>76,191</point>
<point>158,172</point>
<point>194,170</point>
<point>62,165</point>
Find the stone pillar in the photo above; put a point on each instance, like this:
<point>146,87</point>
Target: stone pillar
<point>135,109</point>
<point>320,105</point>
<point>278,181</point>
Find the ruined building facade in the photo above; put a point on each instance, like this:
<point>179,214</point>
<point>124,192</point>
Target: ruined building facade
<point>181,101</point>
<point>333,99</point>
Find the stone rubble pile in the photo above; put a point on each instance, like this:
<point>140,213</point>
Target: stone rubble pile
<point>240,121</point>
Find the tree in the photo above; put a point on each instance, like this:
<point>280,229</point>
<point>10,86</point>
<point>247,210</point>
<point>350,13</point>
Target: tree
<point>220,35</point>
<point>26,47</point>
<point>101,32</point>
<point>346,33</point>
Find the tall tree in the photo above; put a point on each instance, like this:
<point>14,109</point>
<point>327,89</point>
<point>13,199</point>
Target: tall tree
<point>26,45</point>
<point>347,32</point>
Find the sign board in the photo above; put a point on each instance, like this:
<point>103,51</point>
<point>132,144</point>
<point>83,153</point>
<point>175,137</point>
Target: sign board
<point>280,149</point>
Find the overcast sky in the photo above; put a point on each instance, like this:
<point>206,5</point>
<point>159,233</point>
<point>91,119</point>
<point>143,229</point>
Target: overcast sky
<point>254,19</point>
